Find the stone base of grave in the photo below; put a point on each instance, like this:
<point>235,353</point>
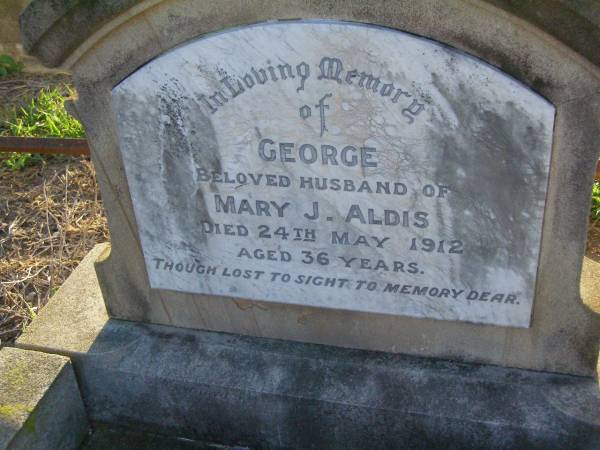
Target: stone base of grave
<point>40,403</point>
<point>265,393</point>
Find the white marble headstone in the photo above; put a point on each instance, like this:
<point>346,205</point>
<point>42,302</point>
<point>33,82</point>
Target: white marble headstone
<point>338,165</point>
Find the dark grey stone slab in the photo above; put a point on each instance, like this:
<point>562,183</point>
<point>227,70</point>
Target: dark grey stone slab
<point>275,394</point>
<point>268,393</point>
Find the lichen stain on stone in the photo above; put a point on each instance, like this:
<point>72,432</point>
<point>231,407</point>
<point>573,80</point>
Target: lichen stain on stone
<point>303,318</point>
<point>13,412</point>
<point>16,377</point>
<point>30,422</point>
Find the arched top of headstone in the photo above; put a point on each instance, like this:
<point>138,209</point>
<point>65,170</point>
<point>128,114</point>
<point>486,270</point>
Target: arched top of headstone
<point>52,29</point>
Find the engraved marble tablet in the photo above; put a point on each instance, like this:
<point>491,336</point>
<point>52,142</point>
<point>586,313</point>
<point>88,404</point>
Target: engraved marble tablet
<point>338,165</point>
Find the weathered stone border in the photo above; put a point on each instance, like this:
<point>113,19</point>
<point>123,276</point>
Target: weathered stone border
<point>61,27</point>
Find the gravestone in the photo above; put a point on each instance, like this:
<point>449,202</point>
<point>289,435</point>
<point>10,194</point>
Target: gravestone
<point>399,177</point>
<point>308,180</point>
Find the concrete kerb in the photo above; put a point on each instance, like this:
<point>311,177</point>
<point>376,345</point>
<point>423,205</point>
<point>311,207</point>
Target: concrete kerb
<point>40,402</point>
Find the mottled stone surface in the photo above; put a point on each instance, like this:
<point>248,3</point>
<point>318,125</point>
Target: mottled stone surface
<point>266,393</point>
<point>40,404</point>
<point>310,167</point>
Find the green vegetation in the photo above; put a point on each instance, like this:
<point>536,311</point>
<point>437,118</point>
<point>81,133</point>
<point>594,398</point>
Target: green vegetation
<point>595,211</point>
<point>43,116</point>
<point>18,161</point>
<point>9,66</point>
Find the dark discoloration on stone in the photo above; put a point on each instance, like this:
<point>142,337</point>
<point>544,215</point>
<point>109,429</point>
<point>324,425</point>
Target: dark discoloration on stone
<point>492,151</point>
<point>189,144</point>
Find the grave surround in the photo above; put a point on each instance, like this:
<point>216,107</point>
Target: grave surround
<point>555,331</point>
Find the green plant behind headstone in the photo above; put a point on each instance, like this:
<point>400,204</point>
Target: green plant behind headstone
<point>44,116</point>
<point>9,66</point>
<point>595,210</point>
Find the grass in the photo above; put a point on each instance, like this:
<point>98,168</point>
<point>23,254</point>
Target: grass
<point>8,66</point>
<point>595,210</point>
<point>51,213</point>
<point>43,116</point>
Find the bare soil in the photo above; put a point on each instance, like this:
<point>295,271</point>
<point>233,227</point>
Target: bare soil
<point>51,215</point>
<point>592,249</point>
